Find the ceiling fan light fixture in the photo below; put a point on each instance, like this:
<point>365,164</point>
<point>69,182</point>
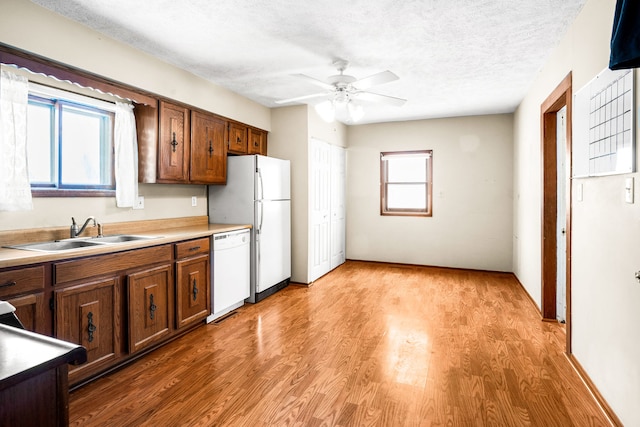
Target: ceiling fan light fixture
<point>356,112</point>
<point>326,110</point>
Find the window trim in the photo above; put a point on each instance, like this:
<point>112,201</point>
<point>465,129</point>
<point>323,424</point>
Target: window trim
<point>384,211</point>
<point>59,99</point>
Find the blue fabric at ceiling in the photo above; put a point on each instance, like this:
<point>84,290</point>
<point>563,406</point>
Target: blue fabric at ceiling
<point>625,38</point>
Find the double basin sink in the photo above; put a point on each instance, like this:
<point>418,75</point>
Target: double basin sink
<point>75,243</point>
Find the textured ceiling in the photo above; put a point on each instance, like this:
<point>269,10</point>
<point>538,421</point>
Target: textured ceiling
<point>453,57</point>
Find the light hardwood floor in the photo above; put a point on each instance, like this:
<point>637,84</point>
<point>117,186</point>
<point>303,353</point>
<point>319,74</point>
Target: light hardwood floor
<point>368,344</point>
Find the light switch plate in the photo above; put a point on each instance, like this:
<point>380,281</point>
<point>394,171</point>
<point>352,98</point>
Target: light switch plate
<point>628,190</point>
<point>579,192</point>
<point>194,201</point>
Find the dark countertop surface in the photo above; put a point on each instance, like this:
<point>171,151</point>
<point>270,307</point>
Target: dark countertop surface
<point>25,354</point>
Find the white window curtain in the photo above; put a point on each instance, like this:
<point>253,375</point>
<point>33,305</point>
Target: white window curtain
<point>15,190</point>
<point>126,156</point>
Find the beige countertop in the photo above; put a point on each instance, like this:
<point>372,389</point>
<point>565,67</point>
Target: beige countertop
<point>161,235</point>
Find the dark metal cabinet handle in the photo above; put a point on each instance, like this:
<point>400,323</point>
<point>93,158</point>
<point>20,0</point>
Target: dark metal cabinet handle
<point>194,248</point>
<point>174,143</point>
<point>152,307</point>
<point>195,289</point>
<point>210,148</point>
<point>8,284</point>
<point>91,328</point>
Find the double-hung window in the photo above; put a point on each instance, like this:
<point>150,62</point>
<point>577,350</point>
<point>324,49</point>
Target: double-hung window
<point>69,143</point>
<point>405,183</point>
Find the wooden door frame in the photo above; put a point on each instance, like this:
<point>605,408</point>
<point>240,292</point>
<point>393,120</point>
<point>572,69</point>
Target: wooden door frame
<point>560,97</point>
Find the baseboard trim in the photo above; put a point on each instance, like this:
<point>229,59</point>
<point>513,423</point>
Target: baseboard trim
<point>530,298</point>
<point>602,403</point>
<point>400,264</point>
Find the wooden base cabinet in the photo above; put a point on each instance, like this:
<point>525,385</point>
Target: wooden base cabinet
<point>192,282</point>
<point>32,311</point>
<point>115,305</point>
<point>86,314</point>
<point>24,289</point>
<point>150,306</point>
<point>192,302</point>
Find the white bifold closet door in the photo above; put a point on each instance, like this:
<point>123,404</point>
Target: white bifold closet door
<point>326,208</point>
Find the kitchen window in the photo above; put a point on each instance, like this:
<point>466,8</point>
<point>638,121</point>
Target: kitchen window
<point>406,183</point>
<point>69,143</point>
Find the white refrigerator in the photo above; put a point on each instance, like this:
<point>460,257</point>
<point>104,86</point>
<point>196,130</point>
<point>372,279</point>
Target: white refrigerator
<point>258,192</point>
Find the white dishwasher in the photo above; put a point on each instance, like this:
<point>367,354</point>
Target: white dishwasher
<point>230,269</point>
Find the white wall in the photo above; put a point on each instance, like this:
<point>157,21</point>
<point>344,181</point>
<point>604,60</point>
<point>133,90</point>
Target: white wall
<point>472,194</point>
<point>289,140</point>
<point>605,254</point>
<point>291,130</point>
<point>29,27</point>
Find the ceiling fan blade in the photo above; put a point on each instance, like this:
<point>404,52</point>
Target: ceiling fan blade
<point>381,99</point>
<point>374,80</point>
<point>323,85</point>
<point>301,98</point>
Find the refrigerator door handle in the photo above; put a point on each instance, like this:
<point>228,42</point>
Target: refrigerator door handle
<point>260,194</point>
<point>258,289</point>
<point>261,216</point>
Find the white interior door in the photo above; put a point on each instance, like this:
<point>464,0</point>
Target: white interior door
<point>338,210</point>
<point>561,242</point>
<point>319,209</point>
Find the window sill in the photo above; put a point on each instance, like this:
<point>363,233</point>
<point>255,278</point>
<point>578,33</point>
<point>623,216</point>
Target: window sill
<point>423,214</point>
<point>72,193</point>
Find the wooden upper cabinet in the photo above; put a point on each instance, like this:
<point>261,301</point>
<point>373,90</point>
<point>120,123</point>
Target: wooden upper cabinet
<point>208,149</point>
<point>180,145</point>
<point>237,134</point>
<point>257,142</point>
<point>173,144</point>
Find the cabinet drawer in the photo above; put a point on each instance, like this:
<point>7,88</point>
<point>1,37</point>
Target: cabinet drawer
<point>67,271</point>
<point>192,247</point>
<point>21,281</point>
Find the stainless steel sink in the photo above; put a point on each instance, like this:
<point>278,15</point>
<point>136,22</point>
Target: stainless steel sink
<point>55,246</point>
<point>75,243</point>
<point>120,238</point>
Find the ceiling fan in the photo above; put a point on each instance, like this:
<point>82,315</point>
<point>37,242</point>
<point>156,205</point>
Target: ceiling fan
<point>343,91</point>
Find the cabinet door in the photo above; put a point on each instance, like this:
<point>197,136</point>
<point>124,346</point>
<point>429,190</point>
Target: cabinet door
<point>237,135</point>
<point>173,148</point>
<point>149,306</point>
<point>257,142</point>
<point>192,293</point>
<point>24,289</point>
<point>86,314</point>
<point>208,149</point>
<point>32,311</point>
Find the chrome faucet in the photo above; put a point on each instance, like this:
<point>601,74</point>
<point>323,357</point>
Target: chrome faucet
<point>74,232</point>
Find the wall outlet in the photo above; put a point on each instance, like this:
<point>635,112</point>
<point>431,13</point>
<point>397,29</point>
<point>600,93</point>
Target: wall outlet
<point>139,203</point>
<point>194,201</point>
